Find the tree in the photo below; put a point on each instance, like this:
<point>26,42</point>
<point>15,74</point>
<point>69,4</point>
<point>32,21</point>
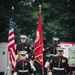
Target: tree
<point>57,15</point>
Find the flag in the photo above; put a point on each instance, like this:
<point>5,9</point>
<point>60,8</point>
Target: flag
<point>38,43</point>
<point>11,44</point>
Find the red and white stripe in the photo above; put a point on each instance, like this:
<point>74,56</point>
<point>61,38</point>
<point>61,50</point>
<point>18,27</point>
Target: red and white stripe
<point>11,48</point>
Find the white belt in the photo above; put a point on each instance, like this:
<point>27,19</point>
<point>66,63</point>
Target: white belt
<point>23,70</point>
<point>58,68</point>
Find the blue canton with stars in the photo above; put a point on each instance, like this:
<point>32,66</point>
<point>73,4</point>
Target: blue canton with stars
<point>11,23</point>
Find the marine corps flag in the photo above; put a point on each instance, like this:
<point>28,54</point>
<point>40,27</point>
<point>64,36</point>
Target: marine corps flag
<point>38,44</point>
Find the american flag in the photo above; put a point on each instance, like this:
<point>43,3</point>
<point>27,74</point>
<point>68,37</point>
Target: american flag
<point>11,44</point>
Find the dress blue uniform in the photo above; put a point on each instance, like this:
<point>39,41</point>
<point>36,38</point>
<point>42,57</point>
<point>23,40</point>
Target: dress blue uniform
<point>23,46</point>
<point>23,66</point>
<point>59,65</point>
<point>52,50</point>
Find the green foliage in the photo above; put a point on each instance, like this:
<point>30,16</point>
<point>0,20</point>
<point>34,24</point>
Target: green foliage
<point>58,19</point>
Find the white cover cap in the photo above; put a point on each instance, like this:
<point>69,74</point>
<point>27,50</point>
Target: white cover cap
<point>55,38</point>
<point>23,36</point>
<point>60,49</point>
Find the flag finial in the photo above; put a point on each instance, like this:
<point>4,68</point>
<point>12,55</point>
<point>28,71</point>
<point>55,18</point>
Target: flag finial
<point>12,8</point>
<point>40,7</point>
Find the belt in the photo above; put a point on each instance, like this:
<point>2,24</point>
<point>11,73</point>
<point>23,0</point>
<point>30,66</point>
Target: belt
<point>23,70</point>
<point>58,68</point>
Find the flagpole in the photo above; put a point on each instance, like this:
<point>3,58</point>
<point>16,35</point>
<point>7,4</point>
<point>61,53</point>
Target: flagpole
<point>8,52</point>
<point>39,12</point>
<point>9,68</point>
<point>12,8</point>
<point>38,43</point>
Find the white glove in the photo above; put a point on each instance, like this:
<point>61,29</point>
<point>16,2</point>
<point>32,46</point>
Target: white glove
<point>49,73</point>
<point>34,69</point>
<point>32,66</point>
<point>15,73</point>
<point>47,64</point>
